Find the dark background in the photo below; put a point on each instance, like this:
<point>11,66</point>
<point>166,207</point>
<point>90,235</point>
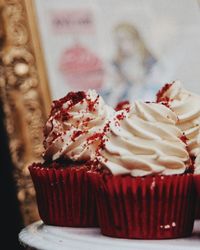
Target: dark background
<point>10,221</point>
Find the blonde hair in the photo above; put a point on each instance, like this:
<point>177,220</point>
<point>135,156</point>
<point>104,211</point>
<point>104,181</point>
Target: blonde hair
<point>129,28</point>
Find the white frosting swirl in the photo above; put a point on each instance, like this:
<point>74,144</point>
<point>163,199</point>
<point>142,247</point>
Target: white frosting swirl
<point>144,141</point>
<point>73,121</point>
<point>186,105</point>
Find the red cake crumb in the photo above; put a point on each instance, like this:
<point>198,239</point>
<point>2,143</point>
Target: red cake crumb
<point>91,104</point>
<point>65,115</point>
<point>76,134</point>
<point>96,166</point>
<point>55,135</point>
<point>102,144</point>
<point>120,116</point>
<point>123,105</point>
<point>190,168</point>
<point>107,127</point>
<point>102,141</point>
<point>86,121</point>
<point>184,139</point>
<point>95,136</point>
<point>161,92</point>
<point>166,101</point>
<point>73,97</point>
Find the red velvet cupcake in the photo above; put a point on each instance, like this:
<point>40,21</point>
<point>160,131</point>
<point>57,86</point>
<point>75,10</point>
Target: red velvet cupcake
<point>186,105</point>
<point>63,190</point>
<point>143,186</point>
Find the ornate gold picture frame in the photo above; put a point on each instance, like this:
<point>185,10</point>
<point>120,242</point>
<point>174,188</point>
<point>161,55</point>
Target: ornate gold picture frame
<point>24,94</point>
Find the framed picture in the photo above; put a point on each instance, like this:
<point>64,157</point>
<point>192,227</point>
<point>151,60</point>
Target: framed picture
<point>125,49</point>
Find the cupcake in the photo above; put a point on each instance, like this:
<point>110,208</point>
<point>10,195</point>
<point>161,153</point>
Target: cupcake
<point>143,186</point>
<point>186,105</point>
<point>63,190</point>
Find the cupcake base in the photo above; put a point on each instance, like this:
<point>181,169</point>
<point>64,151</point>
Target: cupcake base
<point>64,196</point>
<point>197,186</point>
<point>197,210</point>
<point>160,207</point>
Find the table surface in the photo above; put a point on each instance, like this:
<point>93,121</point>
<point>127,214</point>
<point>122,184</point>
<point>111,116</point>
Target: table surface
<point>43,237</point>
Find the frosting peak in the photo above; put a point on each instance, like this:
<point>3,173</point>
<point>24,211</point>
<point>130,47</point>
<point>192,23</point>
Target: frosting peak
<point>144,141</point>
<point>186,105</point>
<point>74,119</point>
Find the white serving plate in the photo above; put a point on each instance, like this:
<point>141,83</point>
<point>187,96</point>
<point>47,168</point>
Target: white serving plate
<point>43,237</point>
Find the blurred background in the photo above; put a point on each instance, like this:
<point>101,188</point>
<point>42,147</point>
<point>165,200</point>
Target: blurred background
<point>125,49</point>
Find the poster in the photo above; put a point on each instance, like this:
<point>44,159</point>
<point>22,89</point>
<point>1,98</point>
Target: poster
<point>125,49</point>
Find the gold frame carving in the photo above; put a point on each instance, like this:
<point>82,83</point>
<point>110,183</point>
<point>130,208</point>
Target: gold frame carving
<point>24,94</point>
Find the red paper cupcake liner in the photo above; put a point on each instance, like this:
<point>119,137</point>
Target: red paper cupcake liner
<point>197,186</point>
<point>197,210</point>
<point>64,196</point>
<point>160,207</point>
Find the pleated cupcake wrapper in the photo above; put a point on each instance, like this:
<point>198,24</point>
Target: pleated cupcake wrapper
<point>64,196</point>
<point>197,210</point>
<point>197,186</point>
<point>158,207</point>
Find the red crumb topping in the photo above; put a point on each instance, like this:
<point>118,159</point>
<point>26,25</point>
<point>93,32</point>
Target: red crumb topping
<point>166,102</point>
<point>55,135</point>
<point>95,136</point>
<point>100,137</point>
<point>123,105</point>
<point>190,168</point>
<point>161,92</point>
<point>184,139</point>
<point>73,97</point>
<point>120,116</point>
<point>47,130</point>
<point>86,121</point>
<point>76,134</point>
<point>91,104</point>
<point>101,145</point>
<point>65,115</point>
<point>96,166</point>
<point>107,127</point>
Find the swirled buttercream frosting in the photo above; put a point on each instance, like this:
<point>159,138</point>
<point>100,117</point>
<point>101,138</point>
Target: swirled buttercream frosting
<point>144,141</point>
<point>74,123</point>
<point>186,105</point>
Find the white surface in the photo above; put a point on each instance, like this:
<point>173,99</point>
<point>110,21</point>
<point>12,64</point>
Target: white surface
<point>44,237</point>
